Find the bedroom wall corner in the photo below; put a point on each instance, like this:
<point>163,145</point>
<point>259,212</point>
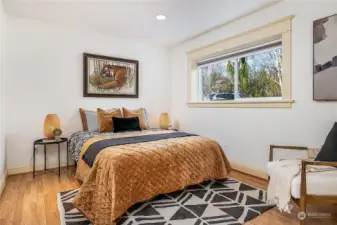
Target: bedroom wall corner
<point>3,166</point>
<point>45,72</point>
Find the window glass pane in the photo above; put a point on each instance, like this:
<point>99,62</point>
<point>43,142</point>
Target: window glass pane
<point>260,75</point>
<point>217,81</point>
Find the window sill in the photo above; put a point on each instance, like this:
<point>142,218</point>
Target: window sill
<point>243,104</point>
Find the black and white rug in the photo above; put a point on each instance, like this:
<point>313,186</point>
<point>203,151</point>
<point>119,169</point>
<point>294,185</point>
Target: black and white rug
<point>212,202</point>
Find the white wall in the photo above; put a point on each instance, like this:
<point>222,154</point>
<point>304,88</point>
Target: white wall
<point>2,59</point>
<point>246,134</point>
<point>44,75</point>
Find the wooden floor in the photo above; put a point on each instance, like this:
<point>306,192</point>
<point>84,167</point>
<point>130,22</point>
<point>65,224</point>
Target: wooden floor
<point>33,201</point>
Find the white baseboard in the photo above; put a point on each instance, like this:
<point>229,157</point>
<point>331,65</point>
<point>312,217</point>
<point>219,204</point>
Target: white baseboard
<point>38,167</point>
<point>3,180</point>
<point>249,170</point>
<point>26,169</point>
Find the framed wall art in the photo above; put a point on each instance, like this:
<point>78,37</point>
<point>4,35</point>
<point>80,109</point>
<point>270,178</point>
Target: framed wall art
<point>325,59</point>
<point>105,76</point>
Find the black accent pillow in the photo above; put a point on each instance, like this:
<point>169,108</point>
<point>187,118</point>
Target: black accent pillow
<point>329,149</point>
<point>125,124</point>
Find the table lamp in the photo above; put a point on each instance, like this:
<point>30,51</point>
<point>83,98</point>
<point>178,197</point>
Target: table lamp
<point>164,121</point>
<point>51,123</point>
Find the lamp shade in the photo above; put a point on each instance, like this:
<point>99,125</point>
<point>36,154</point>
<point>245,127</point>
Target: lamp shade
<point>164,121</point>
<point>51,123</point>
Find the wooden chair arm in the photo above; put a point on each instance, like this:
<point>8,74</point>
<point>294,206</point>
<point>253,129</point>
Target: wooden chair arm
<point>304,174</point>
<point>272,147</point>
<point>318,163</point>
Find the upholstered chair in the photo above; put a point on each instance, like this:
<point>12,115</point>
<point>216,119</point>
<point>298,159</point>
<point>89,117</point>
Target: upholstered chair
<point>307,188</point>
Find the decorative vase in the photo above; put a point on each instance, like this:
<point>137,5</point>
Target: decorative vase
<point>51,123</point>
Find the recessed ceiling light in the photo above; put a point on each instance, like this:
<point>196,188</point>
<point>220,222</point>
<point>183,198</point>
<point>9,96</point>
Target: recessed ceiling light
<point>160,17</point>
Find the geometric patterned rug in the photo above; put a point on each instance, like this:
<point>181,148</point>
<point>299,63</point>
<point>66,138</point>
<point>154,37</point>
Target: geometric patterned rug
<point>225,202</point>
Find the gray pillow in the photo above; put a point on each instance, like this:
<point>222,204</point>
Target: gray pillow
<point>145,119</point>
<point>92,121</point>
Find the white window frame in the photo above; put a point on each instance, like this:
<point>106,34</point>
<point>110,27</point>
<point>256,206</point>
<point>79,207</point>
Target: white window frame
<point>277,31</point>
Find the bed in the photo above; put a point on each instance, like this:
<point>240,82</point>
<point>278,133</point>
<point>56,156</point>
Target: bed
<point>121,169</point>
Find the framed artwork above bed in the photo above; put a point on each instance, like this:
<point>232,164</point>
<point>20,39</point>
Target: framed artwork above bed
<point>105,76</point>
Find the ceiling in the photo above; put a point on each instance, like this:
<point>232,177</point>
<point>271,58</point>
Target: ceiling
<point>135,19</point>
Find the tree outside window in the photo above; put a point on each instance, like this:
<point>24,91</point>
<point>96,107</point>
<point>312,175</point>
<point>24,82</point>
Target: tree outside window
<point>256,75</point>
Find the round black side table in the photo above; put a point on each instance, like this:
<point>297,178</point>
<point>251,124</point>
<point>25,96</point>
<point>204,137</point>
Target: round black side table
<point>45,143</point>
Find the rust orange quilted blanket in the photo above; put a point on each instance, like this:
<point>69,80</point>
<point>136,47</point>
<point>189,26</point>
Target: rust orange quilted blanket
<point>124,175</point>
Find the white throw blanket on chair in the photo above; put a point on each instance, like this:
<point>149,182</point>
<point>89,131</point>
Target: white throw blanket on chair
<point>279,188</point>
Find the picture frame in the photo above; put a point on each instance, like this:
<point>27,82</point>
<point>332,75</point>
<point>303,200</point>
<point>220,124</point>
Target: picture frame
<point>325,59</point>
<point>105,76</point>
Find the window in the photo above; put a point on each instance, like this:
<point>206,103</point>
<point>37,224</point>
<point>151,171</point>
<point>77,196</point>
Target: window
<point>249,74</point>
<point>252,69</point>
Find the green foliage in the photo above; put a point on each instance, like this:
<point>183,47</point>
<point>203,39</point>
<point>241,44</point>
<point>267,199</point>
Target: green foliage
<point>258,76</point>
<point>230,69</point>
<point>257,83</point>
<point>243,75</point>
